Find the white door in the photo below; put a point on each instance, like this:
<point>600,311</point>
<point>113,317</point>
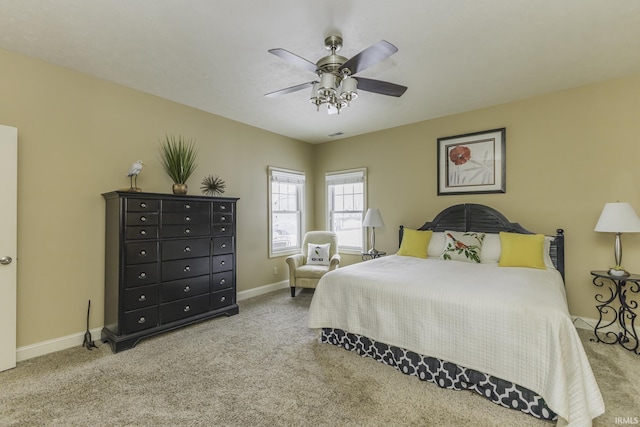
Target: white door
<point>8,244</point>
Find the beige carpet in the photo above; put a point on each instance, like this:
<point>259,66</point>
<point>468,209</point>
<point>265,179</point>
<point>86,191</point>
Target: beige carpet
<point>263,367</point>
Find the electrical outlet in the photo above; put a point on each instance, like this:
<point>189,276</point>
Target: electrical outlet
<point>275,271</point>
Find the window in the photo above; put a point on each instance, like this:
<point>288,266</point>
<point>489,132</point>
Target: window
<point>286,208</point>
<point>346,197</point>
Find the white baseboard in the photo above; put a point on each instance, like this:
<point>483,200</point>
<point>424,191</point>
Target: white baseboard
<point>56,344</point>
<point>73,340</point>
<point>261,290</point>
<point>590,324</point>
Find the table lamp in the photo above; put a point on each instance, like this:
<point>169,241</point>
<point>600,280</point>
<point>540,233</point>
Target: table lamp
<point>618,218</point>
<point>373,219</point>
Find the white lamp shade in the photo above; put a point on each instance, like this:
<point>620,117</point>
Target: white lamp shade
<point>373,218</point>
<point>618,217</point>
<point>349,89</point>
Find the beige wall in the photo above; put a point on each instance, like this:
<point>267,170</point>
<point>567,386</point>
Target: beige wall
<point>77,137</point>
<point>568,153</point>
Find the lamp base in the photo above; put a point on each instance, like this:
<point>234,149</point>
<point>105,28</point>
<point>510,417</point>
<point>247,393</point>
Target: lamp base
<point>373,251</point>
<point>618,273</point>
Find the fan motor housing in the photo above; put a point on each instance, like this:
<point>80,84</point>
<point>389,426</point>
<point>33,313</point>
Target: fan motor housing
<point>331,63</point>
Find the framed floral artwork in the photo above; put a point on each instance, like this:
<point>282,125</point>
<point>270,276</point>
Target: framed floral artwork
<point>472,163</point>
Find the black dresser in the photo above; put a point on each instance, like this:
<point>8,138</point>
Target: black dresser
<point>170,261</point>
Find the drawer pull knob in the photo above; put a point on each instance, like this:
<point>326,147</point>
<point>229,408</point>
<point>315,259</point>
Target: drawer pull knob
<point>143,219</point>
<point>143,253</point>
<point>223,208</point>
<point>187,288</point>
<point>143,232</point>
<point>187,206</point>
<point>142,275</point>
<point>224,245</point>
<point>187,309</point>
<point>224,218</point>
<point>223,299</point>
<point>143,205</point>
<point>222,262</point>
<point>223,229</point>
<point>187,231</point>
<point>187,268</point>
<point>223,281</point>
<point>187,218</point>
<point>142,298</point>
<point>187,248</point>
<point>142,320</point>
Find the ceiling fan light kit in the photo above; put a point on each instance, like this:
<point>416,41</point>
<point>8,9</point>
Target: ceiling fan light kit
<point>336,87</point>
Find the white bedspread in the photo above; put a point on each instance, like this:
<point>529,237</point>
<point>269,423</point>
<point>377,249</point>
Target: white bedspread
<point>512,323</point>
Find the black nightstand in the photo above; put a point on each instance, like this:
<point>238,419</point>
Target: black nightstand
<point>367,255</point>
<point>624,315</point>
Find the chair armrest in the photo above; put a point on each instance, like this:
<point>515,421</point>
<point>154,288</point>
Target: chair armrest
<point>334,262</point>
<point>295,261</point>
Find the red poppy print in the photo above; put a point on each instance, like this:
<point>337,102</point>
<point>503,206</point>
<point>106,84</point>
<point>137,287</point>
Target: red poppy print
<point>459,155</point>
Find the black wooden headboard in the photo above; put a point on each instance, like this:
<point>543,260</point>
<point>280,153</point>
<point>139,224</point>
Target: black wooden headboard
<point>483,219</point>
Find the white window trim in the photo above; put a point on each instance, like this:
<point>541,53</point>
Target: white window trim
<point>295,176</point>
<point>330,176</point>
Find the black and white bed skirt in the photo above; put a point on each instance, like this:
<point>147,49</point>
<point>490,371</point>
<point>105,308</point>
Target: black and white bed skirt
<point>444,374</point>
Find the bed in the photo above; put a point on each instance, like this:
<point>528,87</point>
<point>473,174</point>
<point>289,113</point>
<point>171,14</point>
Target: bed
<point>502,331</point>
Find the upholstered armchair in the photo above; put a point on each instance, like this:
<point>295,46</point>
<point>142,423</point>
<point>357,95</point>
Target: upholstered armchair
<point>305,271</point>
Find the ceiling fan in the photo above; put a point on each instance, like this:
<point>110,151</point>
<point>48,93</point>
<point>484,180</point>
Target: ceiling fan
<point>336,86</point>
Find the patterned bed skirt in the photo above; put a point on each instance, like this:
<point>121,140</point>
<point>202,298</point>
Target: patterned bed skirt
<point>444,374</point>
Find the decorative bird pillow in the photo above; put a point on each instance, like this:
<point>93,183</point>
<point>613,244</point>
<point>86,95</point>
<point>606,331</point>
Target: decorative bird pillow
<point>462,246</point>
<point>318,254</point>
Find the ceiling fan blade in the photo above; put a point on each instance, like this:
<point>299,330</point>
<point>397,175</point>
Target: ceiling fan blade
<point>294,59</point>
<point>378,86</point>
<point>289,90</point>
<point>370,56</point>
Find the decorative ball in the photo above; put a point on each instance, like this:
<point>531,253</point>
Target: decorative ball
<point>212,185</point>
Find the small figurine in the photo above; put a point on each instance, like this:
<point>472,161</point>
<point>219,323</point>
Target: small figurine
<point>134,170</point>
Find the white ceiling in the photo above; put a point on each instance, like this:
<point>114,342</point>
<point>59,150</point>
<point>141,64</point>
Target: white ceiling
<point>454,55</point>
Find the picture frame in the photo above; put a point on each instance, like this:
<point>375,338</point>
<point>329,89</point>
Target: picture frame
<point>473,163</point>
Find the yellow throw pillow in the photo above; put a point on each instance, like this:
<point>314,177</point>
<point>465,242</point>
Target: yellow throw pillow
<point>521,250</point>
<point>415,243</point>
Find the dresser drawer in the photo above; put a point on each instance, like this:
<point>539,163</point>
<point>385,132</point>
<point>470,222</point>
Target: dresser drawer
<point>141,205</point>
<point>222,218</point>
<point>185,206</point>
<point>139,233</point>
<point>185,218</point>
<point>187,248</point>
<point>222,263</point>
<point>180,269</point>
<point>222,245</point>
<point>139,253</point>
<point>140,297</point>
<point>181,309</point>
<point>141,218</point>
<point>222,229</point>
<point>137,320</point>
<point>223,207</point>
<point>193,230</point>
<point>140,274</point>
<point>222,280</point>
<point>222,299</point>
<point>184,288</point>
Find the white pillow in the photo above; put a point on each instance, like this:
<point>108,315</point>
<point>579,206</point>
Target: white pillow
<point>491,249</point>
<point>318,254</point>
<point>545,253</point>
<point>436,245</point>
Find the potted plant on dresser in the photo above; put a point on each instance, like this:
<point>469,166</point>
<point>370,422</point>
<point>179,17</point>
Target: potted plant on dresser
<point>178,157</point>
